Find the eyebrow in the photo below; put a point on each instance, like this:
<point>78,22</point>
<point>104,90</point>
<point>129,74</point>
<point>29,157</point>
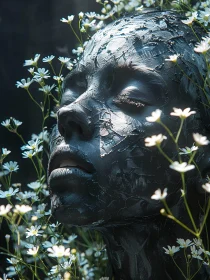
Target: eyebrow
<point>144,72</point>
<point>147,75</point>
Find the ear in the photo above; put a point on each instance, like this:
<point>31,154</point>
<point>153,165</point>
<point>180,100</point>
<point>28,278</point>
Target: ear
<point>204,168</point>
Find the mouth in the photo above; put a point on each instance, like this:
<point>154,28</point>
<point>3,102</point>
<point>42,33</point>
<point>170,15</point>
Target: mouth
<point>64,157</point>
<point>68,169</point>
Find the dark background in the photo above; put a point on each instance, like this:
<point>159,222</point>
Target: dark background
<point>28,27</point>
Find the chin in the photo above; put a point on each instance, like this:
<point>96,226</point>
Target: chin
<point>75,213</point>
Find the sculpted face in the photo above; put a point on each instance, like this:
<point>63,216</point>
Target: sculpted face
<point>100,171</point>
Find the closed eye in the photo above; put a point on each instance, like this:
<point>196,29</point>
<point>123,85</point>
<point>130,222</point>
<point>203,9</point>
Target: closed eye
<point>131,95</point>
<point>74,85</point>
<point>76,82</point>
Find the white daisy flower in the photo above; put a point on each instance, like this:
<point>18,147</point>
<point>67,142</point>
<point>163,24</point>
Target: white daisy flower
<point>202,47</point>
<point>5,152</point>
<point>171,250</point>
<point>155,116</point>
<point>58,251</point>
<point>22,209</point>
<point>24,83</point>
<point>182,192</point>
<point>68,20</point>
<point>78,51</point>
<point>184,243</point>
<point>90,15</point>
<point>149,3</point>
<point>183,114</point>
<point>190,20</point>
<point>28,154</point>
<point>64,59</point>
<point>81,15</point>
<point>41,74</point>
<point>158,195</point>
<point>34,185</point>
<point>13,261</point>
<point>6,123</point>
<point>206,187</point>
<point>187,150</point>
<point>33,145</point>
<point>11,166</point>
<point>69,65</point>
<point>200,139</point>
<point>181,167</point>
<point>197,242</point>
<point>31,70</point>
<point>33,231</point>
<point>204,16</point>
<point>196,254</point>
<point>8,193</point>
<point>33,251</point>
<point>58,78</point>
<point>11,122</point>
<point>154,140</point>
<point>173,58</point>
<point>47,89</point>
<point>139,9</point>
<point>32,62</point>
<point>48,58</point>
<point>5,209</point>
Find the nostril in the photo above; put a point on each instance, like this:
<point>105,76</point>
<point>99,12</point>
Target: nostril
<point>75,127</point>
<point>72,120</point>
<point>61,129</point>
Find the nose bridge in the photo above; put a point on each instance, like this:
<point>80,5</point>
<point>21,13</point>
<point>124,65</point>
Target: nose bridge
<point>77,117</point>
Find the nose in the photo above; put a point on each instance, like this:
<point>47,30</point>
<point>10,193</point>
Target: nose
<point>73,120</point>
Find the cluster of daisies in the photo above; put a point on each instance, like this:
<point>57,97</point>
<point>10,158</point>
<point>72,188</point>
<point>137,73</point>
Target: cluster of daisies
<point>38,243</point>
<point>181,167</point>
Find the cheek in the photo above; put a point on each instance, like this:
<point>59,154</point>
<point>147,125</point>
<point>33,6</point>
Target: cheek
<point>116,130</point>
<point>134,170</point>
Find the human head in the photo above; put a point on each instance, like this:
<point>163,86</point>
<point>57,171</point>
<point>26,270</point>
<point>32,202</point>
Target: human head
<point>102,173</point>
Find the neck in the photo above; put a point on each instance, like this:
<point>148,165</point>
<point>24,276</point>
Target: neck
<point>136,251</point>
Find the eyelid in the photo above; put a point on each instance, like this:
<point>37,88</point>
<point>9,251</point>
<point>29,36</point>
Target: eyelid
<point>125,96</point>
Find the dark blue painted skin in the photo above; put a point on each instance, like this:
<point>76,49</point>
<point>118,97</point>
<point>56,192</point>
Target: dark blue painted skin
<point>101,175</point>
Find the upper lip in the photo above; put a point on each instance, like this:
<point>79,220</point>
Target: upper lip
<point>65,156</point>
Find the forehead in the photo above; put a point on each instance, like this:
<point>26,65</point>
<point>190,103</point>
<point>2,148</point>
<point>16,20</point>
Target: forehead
<point>127,39</point>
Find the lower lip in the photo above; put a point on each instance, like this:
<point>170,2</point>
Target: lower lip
<point>68,179</point>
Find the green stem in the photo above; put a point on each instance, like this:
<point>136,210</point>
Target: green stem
<point>34,99</point>
<point>37,172</point>
<point>197,168</point>
<point>76,34</point>
<point>179,131</point>
<point>192,157</point>
<point>62,64</point>
<point>54,99</point>
<point>182,225</point>
<point>172,137</point>
<point>168,130</point>
<point>167,208</point>
<point>164,154</point>
<point>186,203</point>
<point>186,259</point>
<point>80,31</point>
<point>196,271</point>
<point>20,136</point>
<point>178,268</point>
<point>195,34</point>
<point>9,179</point>
<point>205,217</point>
<point>52,68</point>
<point>190,79</point>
